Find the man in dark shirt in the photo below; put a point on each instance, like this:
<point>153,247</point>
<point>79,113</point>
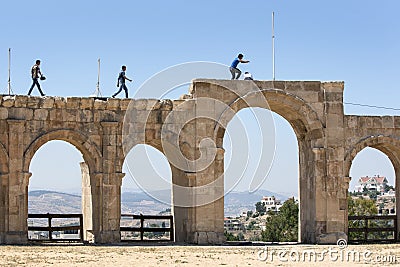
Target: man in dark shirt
<point>121,80</point>
<point>35,72</point>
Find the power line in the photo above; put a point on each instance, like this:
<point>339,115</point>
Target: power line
<point>370,106</point>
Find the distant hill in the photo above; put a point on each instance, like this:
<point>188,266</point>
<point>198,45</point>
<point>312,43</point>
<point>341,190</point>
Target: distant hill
<point>44,201</point>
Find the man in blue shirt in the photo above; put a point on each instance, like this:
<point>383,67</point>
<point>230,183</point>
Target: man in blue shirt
<point>121,80</point>
<point>233,68</point>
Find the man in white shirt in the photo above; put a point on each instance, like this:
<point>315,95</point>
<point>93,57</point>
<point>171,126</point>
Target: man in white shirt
<point>248,76</point>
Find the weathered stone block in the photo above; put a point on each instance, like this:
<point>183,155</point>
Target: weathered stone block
<point>334,97</point>
<point>139,104</point>
<point>60,102</point>
<point>396,122</point>
<point>20,113</point>
<point>41,114</point>
<point>21,101</point>
<point>84,115</point>
<point>33,102</point>
<point>113,103</point>
<point>86,103</point>
<point>3,113</point>
<point>55,115</point>
<point>47,102</point>
<point>388,121</point>
<point>124,103</point>
<point>100,104</point>
<point>8,101</point>
<point>337,87</point>
<point>73,102</point>
<point>351,121</point>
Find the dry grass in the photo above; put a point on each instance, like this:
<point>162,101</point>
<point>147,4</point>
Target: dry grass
<point>63,255</point>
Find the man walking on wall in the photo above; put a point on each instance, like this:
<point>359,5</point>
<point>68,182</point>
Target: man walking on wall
<point>121,80</point>
<point>35,72</point>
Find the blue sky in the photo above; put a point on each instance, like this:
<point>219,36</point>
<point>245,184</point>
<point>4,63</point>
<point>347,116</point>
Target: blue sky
<point>352,41</point>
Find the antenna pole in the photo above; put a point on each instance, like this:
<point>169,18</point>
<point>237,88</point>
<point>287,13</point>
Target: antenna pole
<point>98,80</point>
<point>273,46</point>
<point>9,71</point>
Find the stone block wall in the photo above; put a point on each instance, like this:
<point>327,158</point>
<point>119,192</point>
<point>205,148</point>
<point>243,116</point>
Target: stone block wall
<point>189,132</point>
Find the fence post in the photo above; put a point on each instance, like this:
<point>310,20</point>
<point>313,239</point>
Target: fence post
<point>171,226</point>
<point>50,231</point>
<point>81,227</point>
<point>141,226</point>
<point>366,229</point>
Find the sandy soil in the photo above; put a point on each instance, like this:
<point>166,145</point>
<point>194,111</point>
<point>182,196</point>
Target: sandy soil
<point>128,255</point>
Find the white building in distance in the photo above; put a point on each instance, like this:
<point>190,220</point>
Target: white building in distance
<point>376,183</point>
<point>271,203</point>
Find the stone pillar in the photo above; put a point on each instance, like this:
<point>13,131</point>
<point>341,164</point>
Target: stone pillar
<point>89,190</point>
<point>334,187</point>
<point>182,214</point>
<point>110,186</point>
<point>309,173</point>
<point>208,213</point>
<point>17,190</point>
<point>3,205</point>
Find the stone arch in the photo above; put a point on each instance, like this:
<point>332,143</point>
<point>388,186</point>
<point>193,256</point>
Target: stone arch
<point>90,152</point>
<point>309,131</point>
<point>179,177</point>
<point>388,145</point>
<point>292,108</point>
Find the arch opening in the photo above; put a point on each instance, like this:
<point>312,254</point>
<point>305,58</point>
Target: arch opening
<point>373,189</point>
<point>146,189</point>
<point>55,187</point>
<point>251,214</point>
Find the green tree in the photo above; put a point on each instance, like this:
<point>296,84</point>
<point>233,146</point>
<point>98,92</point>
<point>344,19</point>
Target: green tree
<point>260,208</point>
<point>249,214</point>
<point>361,206</point>
<point>282,226</point>
<point>230,237</point>
<point>388,187</point>
<point>240,236</point>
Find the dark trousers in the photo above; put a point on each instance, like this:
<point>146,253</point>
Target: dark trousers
<point>35,82</point>
<point>123,86</point>
<point>235,71</point>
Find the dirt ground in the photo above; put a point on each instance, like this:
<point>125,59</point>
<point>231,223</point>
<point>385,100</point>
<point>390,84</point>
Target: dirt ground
<point>167,255</point>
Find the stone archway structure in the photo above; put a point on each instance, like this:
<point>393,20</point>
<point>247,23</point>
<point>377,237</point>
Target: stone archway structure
<point>309,132</point>
<point>189,132</point>
<point>89,169</point>
<point>387,144</point>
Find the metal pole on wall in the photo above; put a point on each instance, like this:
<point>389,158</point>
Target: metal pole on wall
<point>273,46</point>
<point>97,93</point>
<point>98,81</point>
<point>9,71</point>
